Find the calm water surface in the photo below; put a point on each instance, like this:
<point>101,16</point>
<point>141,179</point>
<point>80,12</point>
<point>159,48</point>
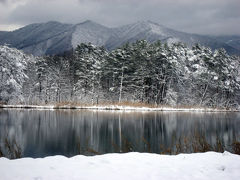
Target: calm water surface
<point>41,133</point>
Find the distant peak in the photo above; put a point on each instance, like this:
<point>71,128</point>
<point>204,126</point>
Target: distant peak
<point>88,22</point>
<point>151,22</point>
<point>52,22</point>
<point>145,23</point>
<point>142,22</point>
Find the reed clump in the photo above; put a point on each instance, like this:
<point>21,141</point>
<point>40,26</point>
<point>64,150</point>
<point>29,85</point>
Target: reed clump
<point>193,143</point>
<point>10,149</point>
<point>236,147</point>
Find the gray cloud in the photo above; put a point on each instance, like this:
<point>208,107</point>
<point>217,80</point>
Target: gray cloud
<point>204,17</point>
<point>9,1</point>
<point>3,1</point>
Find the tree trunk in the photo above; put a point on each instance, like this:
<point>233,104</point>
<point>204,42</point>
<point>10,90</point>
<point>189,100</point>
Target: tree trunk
<point>205,91</point>
<point>121,86</point>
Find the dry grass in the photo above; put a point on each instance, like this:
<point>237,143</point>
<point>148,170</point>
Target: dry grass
<point>90,150</point>
<point>192,144</point>
<point>147,143</point>
<point>107,105</point>
<point>200,144</point>
<point>70,104</point>
<point>1,153</point>
<point>2,103</point>
<point>10,149</point>
<point>236,147</point>
<point>110,105</point>
<point>125,103</point>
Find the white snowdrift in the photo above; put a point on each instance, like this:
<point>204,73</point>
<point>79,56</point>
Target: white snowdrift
<point>137,166</point>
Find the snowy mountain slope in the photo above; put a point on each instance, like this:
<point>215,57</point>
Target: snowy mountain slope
<point>152,31</point>
<point>2,34</point>
<point>233,41</point>
<point>133,32</point>
<point>39,39</point>
<point>90,31</point>
<point>55,38</point>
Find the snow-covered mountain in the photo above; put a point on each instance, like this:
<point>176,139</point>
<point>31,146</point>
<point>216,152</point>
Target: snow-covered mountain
<point>39,39</point>
<point>152,31</point>
<point>90,31</point>
<point>233,41</point>
<point>55,38</point>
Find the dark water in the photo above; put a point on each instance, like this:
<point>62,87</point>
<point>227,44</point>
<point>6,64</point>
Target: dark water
<point>70,132</point>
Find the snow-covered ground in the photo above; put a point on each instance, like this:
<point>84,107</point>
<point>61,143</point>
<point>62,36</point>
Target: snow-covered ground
<point>210,165</point>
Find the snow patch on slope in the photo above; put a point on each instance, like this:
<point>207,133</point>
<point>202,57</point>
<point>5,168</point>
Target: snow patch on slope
<point>156,29</point>
<point>132,30</point>
<point>90,32</point>
<point>173,40</point>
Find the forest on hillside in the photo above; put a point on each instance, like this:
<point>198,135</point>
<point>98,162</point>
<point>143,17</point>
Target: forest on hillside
<point>153,73</point>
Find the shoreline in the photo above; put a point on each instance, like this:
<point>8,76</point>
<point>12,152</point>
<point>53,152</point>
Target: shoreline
<point>116,108</point>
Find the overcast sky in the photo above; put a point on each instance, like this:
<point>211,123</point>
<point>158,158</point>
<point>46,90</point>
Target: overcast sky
<point>195,16</point>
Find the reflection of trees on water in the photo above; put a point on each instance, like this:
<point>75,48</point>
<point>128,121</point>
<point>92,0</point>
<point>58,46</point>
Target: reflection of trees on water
<point>42,133</point>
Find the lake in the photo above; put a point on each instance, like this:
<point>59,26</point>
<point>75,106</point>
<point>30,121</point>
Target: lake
<point>41,133</point>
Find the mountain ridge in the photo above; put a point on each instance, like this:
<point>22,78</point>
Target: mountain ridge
<point>53,37</point>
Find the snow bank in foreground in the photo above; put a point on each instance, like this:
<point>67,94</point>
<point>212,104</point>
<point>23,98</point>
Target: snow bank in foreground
<point>137,166</point>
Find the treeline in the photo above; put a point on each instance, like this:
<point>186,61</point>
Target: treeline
<point>140,72</point>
